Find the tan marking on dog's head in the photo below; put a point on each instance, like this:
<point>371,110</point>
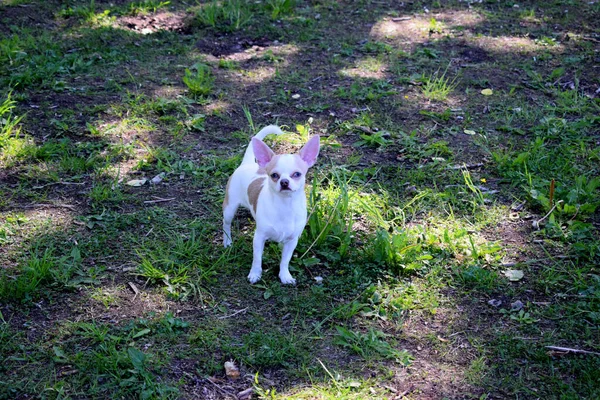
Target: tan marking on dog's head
<point>269,167</point>
<point>254,190</point>
<point>226,200</point>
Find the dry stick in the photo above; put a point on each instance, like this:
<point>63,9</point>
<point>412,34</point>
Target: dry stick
<point>536,224</point>
<point>70,207</point>
<point>467,166</point>
<point>159,200</point>
<point>235,313</point>
<point>570,350</point>
<point>134,288</point>
<point>222,390</point>
<point>58,183</point>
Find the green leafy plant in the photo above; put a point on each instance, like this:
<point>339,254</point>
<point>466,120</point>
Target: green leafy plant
<point>183,265</point>
<point>371,345</point>
<point>229,15</point>
<point>438,87</point>
<point>375,139</point>
<point>280,7</point>
<point>201,82</point>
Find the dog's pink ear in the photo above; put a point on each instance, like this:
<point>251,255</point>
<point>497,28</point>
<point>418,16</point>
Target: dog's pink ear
<point>262,152</point>
<point>310,151</point>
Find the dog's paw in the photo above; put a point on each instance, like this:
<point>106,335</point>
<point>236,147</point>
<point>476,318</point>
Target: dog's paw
<point>287,279</point>
<point>226,243</point>
<point>254,277</point>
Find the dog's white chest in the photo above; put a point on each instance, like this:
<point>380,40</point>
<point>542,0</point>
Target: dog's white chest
<point>284,228</point>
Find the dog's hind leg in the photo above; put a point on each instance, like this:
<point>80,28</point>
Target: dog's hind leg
<point>229,211</point>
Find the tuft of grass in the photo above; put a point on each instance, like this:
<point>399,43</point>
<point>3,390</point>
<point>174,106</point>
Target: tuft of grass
<point>371,345</point>
<point>280,7</point>
<point>438,87</point>
<point>201,81</point>
<point>36,271</point>
<point>228,15</point>
<point>182,264</point>
<point>146,6</point>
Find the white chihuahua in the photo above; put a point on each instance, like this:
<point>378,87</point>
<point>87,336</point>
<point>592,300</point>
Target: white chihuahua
<point>272,188</point>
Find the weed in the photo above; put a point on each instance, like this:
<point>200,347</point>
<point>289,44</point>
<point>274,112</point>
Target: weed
<point>477,277</point>
<point>183,265</point>
<point>199,83</point>
<point>438,87</point>
<point>371,345</point>
<point>376,139</point>
<point>280,7</point>
<point>366,93</point>
<point>13,147</point>
<point>146,6</point>
<point>230,15</point>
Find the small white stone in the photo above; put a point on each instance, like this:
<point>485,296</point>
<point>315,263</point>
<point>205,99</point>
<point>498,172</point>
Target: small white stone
<point>319,279</point>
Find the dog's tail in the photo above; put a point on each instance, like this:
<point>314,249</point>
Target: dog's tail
<point>263,133</point>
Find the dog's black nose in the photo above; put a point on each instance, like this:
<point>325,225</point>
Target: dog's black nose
<point>284,183</point>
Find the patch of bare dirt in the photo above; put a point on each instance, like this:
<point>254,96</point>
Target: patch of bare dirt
<point>229,44</point>
<point>30,15</point>
<point>161,21</point>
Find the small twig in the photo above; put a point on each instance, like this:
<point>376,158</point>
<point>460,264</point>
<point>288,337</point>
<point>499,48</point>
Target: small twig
<point>536,224</point>
<point>570,350</point>
<point>590,39</point>
<point>364,129</point>
<point>70,207</point>
<point>222,390</point>
<point>467,166</point>
<point>58,183</point>
<point>149,232</point>
<point>231,315</point>
<point>134,288</point>
<point>245,393</point>
<point>159,200</point>
<point>401,395</point>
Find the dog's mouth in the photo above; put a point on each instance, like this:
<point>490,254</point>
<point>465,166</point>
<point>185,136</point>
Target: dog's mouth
<point>285,189</point>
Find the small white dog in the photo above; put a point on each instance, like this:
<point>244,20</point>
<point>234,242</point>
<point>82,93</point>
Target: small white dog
<point>272,188</point>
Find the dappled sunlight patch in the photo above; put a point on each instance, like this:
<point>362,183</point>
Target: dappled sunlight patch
<point>168,92</point>
<point>123,302</point>
<point>127,129</point>
<point>277,54</point>
<point>217,107</point>
<point>513,44</point>
<point>32,220</point>
<point>369,67</point>
<point>419,28</point>
<point>256,75</point>
<point>271,58</point>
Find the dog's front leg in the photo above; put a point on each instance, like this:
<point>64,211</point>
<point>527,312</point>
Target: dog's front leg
<point>286,256</point>
<point>258,245</point>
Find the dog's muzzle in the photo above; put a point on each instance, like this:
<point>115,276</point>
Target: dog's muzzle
<point>284,184</point>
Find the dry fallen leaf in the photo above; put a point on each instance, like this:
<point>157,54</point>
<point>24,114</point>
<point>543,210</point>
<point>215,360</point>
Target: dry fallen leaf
<point>231,370</point>
<point>137,182</point>
<point>514,275</point>
<point>469,132</point>
<point>487,92</point>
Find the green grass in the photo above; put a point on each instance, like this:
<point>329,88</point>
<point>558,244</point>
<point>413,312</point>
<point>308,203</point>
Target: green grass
<point>425,193</point>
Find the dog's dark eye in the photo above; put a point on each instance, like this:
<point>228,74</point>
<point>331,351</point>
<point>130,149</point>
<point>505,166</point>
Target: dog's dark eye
<point>296,175</point>
<point>275,176</point>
